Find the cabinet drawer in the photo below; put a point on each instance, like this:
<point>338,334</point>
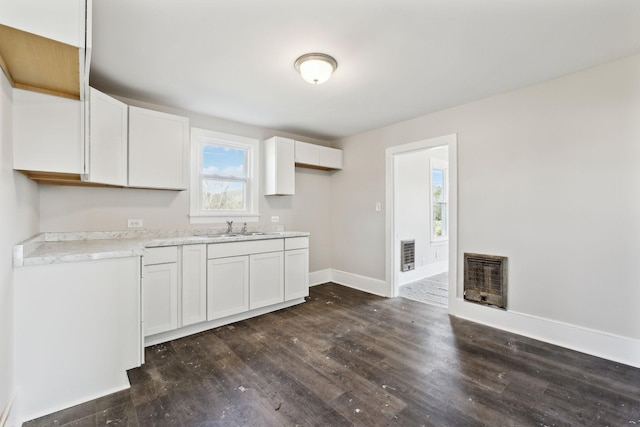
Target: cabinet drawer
<point>222,250</point>
<point>162,255</point>
<point>296,243</point>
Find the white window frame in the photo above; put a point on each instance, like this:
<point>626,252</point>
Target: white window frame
<point>444,166</point>
<point>250,213</point>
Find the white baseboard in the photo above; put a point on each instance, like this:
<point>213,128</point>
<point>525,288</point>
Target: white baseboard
<point>596,343</point>
<point>5,417</point>
<point>319,277</point>
<point>361,283</point>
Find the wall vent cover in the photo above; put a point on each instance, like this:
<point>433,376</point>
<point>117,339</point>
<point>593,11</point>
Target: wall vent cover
<point>408,254</point>
<point>485,279</point>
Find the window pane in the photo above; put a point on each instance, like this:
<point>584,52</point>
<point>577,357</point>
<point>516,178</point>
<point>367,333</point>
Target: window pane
<point>222,195</point>
<point>437,183</point>
<point>439,220</point>
<point>223,161</point>
<point>445,225</point>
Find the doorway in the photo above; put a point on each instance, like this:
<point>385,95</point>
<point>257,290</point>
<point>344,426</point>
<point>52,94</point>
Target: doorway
<point>422,211</point>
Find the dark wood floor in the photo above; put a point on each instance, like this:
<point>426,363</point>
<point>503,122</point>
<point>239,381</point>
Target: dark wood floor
<point>349,358</point>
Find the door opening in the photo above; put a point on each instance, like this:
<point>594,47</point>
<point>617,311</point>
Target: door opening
<point>421,196</point>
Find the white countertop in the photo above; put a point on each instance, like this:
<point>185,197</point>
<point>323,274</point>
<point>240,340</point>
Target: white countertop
<point>50,248</point>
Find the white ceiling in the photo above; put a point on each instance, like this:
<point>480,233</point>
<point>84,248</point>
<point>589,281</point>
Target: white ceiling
<point>397,59</point>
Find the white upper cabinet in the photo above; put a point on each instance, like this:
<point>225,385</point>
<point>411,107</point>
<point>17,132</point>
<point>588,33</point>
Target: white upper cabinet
<point>46,45</point>
<point>158,150</point>
<point>279,166</point>
<point>330,158</point>
<point>107,140</point>
<point>307,154</point>
<point>48,133</point>
<point>317,156</point>
<point>60,20</point>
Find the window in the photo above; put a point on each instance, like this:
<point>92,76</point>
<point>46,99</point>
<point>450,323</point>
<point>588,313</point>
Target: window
<point>224,177</point>
<point>439,198</point>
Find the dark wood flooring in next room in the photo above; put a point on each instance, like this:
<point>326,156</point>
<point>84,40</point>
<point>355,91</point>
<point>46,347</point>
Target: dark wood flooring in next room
<point>349,358</point>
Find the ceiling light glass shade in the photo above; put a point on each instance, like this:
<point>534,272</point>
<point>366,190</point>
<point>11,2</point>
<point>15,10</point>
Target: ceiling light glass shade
<point>316,68</point>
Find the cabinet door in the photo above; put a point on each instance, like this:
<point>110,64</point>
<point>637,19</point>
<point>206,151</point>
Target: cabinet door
<point>330,158</point>
<point>63,21</point>
<point>107,139</point>
<point>160,298</point>
<point>48,133</point>
<point>158,149</point>
<point>279,166</point>
<point>194,284</point>
<point>266,284</point>
<point>227,286</point>
<point>307,154</point>
<point>296,274</point>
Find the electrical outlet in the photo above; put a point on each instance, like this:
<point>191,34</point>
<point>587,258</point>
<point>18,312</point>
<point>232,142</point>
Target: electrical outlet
<point>378,206</point>
<point>275,219</point>
<point>134,223</point>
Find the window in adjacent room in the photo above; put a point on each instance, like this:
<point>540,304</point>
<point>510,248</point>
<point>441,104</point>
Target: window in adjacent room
<point>439,199</point>
<point>224,177</point>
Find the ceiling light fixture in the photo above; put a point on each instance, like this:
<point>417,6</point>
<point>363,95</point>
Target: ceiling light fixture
<point>316,68</point>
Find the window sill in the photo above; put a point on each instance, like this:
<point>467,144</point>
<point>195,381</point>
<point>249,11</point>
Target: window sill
<point>222,218</point>
<point>438,242</point>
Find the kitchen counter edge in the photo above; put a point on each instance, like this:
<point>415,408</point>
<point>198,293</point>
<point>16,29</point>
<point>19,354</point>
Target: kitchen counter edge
<point>53,248</point>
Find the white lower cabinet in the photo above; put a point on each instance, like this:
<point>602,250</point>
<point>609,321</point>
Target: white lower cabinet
<point>243,276</point>
<point>266,279</point>
<point>160,290</point>
<point>193,286</point>
<point>296,268</point>
<point>89,312</point>
<point>296,274</point>
<point>227,286</point>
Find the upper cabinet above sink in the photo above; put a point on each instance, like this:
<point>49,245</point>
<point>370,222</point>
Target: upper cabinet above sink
<point>45,45</point>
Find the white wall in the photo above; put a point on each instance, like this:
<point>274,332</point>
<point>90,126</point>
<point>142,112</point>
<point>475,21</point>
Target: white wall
<point>18,220</point>
<point>88,209</point>
<point>413,213</point>
<point>549,176</point>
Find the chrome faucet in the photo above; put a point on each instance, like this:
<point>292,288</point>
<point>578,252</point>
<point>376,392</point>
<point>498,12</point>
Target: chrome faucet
<point>229,225</point>
<point>244,228</point>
